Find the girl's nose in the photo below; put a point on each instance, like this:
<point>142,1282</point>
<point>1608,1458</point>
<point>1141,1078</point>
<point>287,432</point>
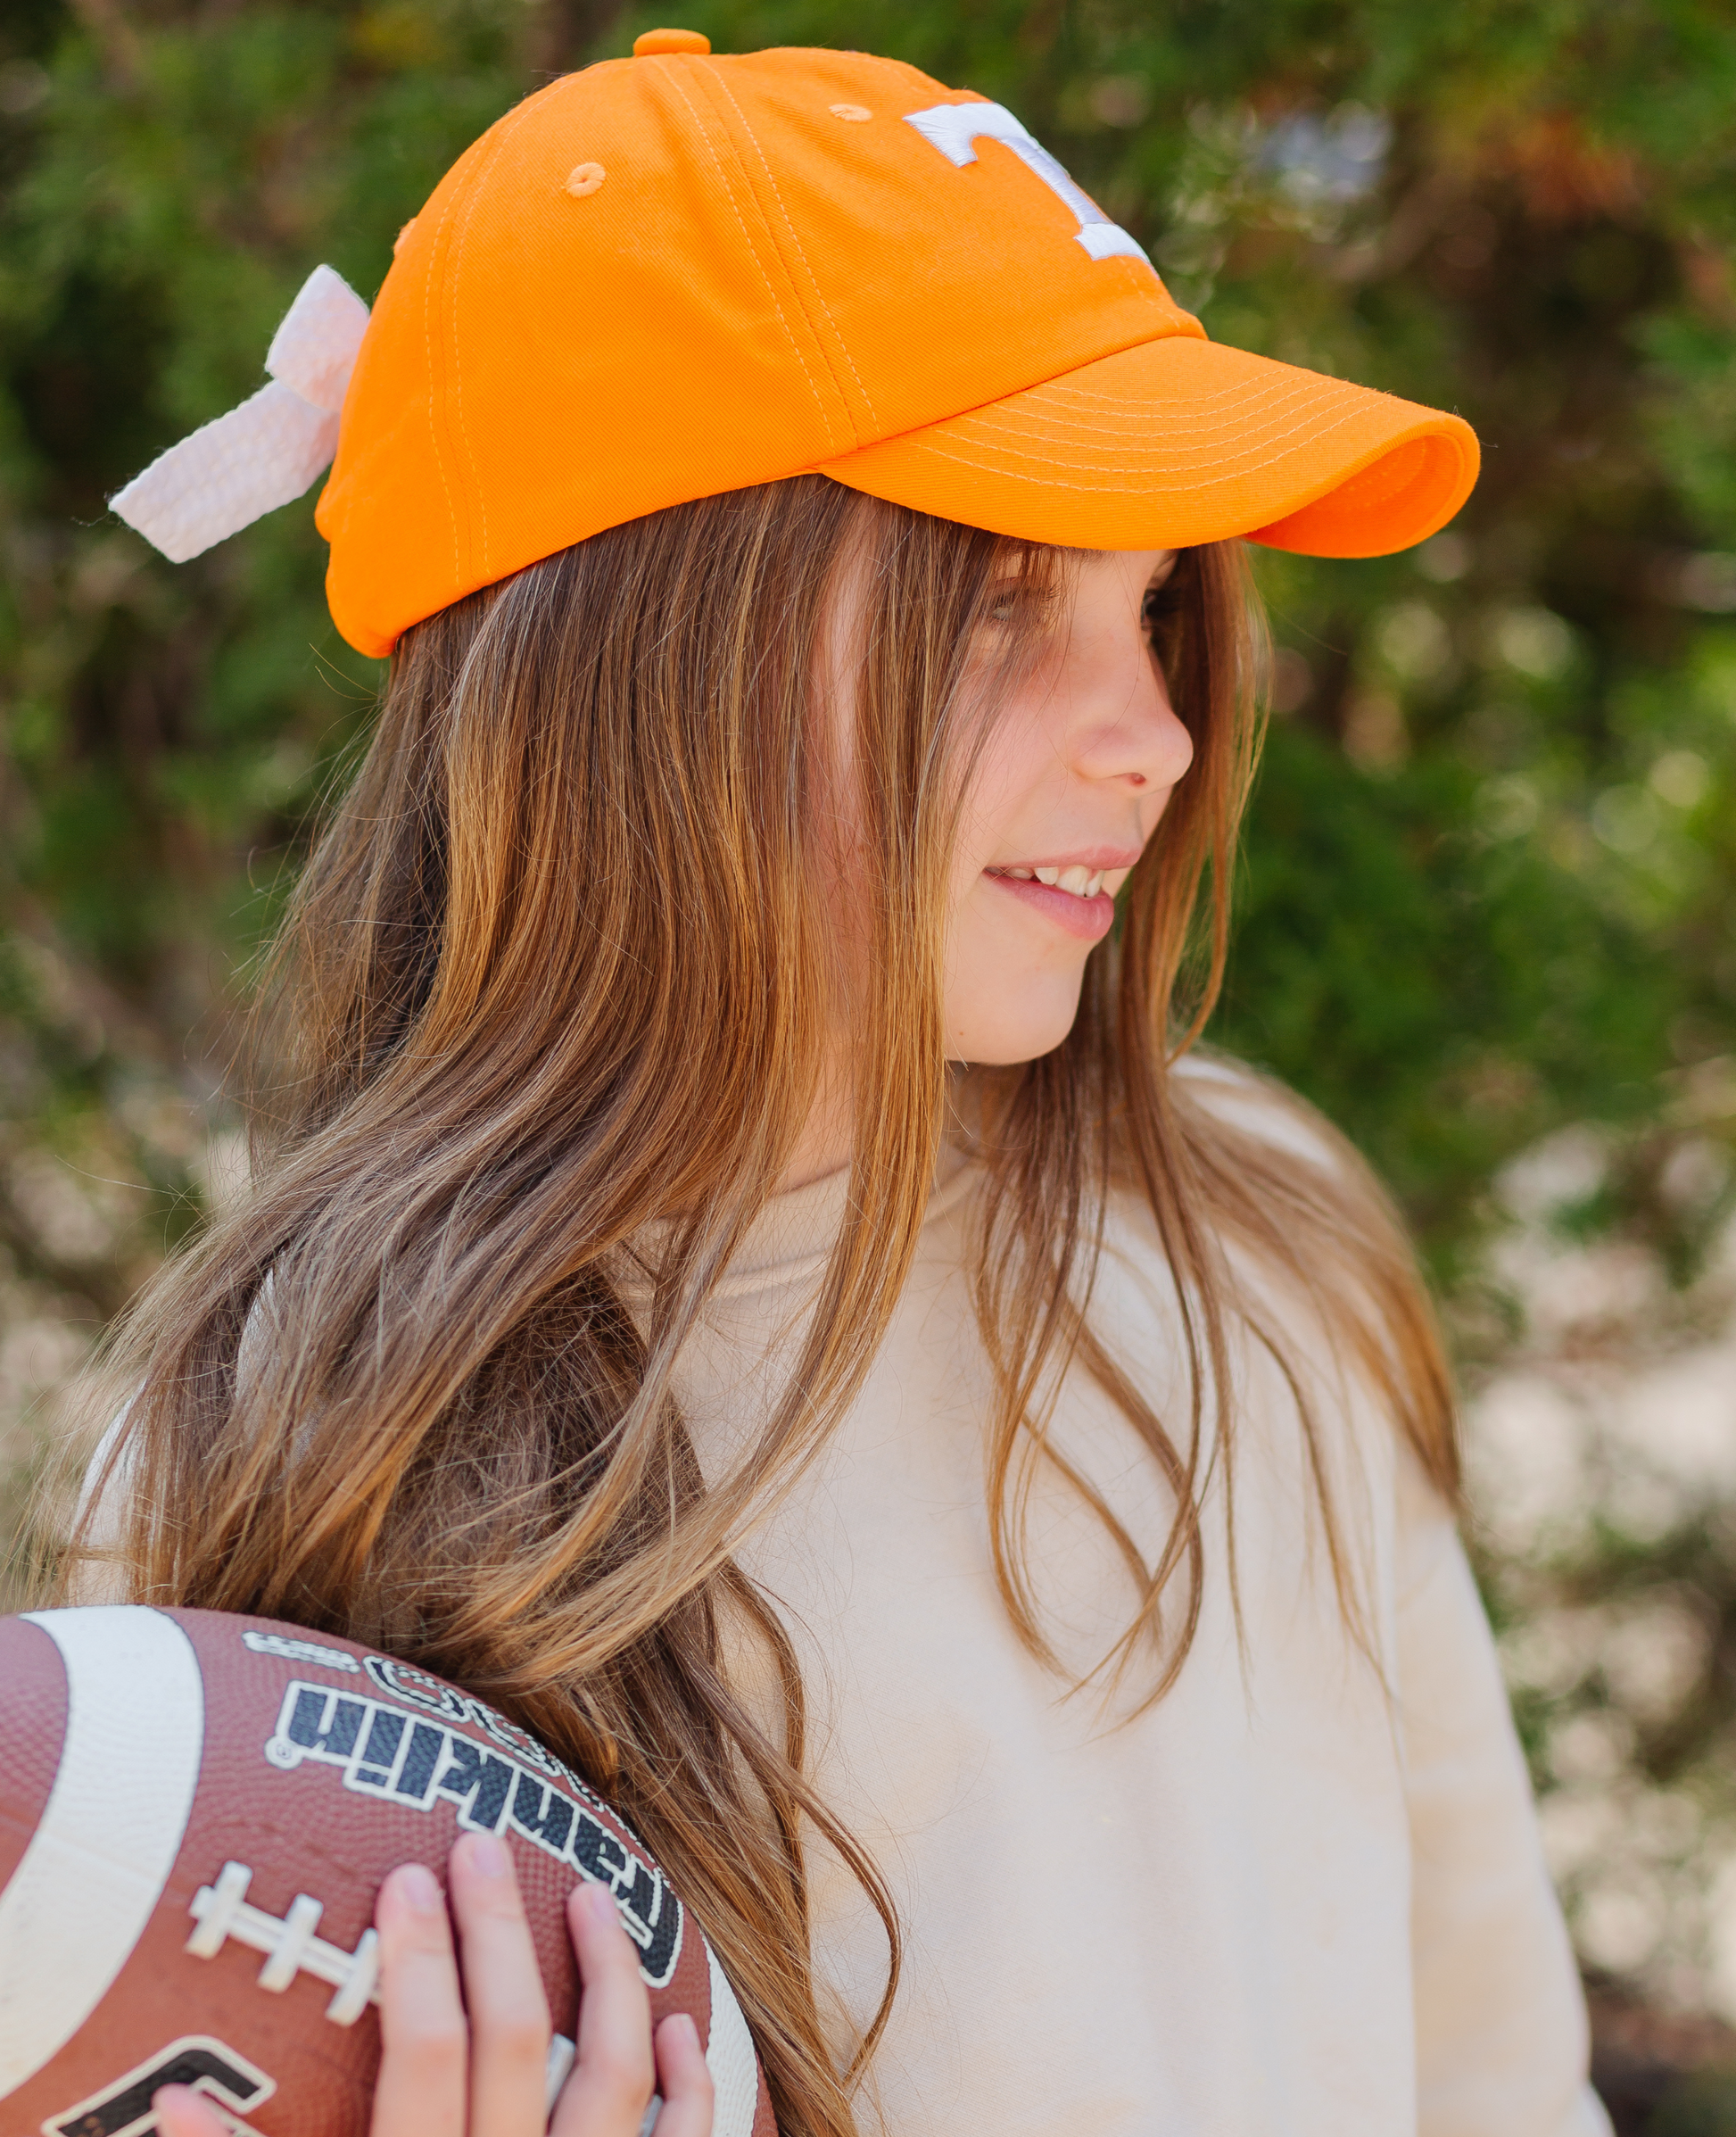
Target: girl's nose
<point>1131,736</point>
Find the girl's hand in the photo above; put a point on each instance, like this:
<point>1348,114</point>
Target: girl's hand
<point>444,2075</point>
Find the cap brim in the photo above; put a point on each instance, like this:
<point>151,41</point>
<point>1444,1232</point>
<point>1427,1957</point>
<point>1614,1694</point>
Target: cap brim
<point>1183,441</point>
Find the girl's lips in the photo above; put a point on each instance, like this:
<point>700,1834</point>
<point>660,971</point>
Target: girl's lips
<point>1089,919</point>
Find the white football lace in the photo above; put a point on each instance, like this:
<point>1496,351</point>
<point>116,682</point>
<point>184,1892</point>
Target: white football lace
<point>222,1911</point>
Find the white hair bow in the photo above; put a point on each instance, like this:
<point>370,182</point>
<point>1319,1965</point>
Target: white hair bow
<point>264,454</point>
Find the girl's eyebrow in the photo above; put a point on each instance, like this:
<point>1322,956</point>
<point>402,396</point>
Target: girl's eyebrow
<point>1055,548</point>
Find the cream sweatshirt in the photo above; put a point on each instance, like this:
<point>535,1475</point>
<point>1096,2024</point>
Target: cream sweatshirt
<point>1280,1903</point>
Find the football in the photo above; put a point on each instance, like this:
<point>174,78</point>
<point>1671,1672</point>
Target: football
<point>196,1811</point>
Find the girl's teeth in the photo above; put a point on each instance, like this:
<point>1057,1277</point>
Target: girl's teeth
<point>1082,883</point>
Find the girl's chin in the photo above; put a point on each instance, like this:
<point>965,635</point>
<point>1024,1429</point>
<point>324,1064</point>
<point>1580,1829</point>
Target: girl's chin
<point>1021,1020</point>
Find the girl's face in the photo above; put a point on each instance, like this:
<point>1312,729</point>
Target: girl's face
<point>1080,752</point>
<point>1080,756</point>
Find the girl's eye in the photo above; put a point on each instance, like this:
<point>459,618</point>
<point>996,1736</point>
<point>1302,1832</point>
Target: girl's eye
<point>1015,609</point>
<point>1161,599</point>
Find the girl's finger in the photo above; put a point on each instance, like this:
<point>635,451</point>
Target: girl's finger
<point>683,2079</point>
<point>503,1993</point>
<point>424,2038</point>
<point>181,2112</point>
<point>610,2087</point>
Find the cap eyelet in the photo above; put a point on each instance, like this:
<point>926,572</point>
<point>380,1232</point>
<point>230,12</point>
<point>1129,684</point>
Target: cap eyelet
<point>584,179</point>
<point>855,112</point>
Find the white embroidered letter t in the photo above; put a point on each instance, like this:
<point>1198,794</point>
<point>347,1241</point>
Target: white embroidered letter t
<point>956,128</point>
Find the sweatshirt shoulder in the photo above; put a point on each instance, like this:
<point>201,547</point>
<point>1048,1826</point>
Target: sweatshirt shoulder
<point>1246,1098</point>
<point>1233,1117</point>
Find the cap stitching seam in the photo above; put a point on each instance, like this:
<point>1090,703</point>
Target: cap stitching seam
<point>984,419</point>
<point>1039,460</point>
<point>502,134</point>
<point>1065,390</point>
<point>458,383</point>
<point>819,398</point>
<point>1226,424</point>
<point>1196,437</point>
<point>925,442</point>
<point>1155,485</point>
<point>729,195</point>
<point>1084,425</point>
<point>1242,398</point>
<point>1177,333</point>
<point>429,309</point>
<point>796,239</point>
<point>1055,391</point>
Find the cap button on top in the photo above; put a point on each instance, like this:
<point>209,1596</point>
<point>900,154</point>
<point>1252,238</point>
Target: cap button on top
<point>656,41</point>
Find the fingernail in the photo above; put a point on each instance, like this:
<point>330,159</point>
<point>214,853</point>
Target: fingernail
<point>488,1856</point>
<point>420,1887</point>
<point>599,1902</point>
<point>682,2022</point>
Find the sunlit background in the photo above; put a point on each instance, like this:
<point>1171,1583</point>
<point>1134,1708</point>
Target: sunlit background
<point>1486,917</point>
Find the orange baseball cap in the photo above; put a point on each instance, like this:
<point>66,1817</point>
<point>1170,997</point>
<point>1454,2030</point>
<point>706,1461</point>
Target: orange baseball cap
<point>677,274</point>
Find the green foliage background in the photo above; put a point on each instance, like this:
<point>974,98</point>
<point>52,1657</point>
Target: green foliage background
<point>1490,866</point>
<point>1491,861</point>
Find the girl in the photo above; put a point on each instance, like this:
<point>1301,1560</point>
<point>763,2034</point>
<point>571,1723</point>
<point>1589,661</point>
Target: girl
<point>746,1267</point>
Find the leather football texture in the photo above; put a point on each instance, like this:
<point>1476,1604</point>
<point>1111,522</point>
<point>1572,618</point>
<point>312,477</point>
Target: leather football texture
<point>196,1810</point>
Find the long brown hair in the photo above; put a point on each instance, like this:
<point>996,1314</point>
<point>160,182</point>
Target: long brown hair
<point>555,974</point>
